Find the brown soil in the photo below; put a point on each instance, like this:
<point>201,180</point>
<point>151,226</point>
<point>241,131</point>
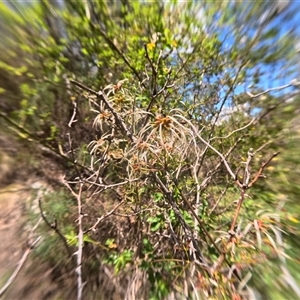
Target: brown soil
<point>30,283</point>
<point>34,279</point>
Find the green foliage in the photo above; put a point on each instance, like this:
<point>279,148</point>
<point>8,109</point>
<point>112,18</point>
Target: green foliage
<point>172,138</point>
<point>119,260</point>
<point>72,238</point>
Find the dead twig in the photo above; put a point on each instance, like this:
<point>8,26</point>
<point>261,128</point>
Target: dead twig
<point>80,283</point>
<point>72,120</point>
<point>102,97</point>
<point>279,88</point>
<point>99,220</point>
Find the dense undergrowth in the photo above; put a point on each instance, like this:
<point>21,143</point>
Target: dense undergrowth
<point>177,183</point>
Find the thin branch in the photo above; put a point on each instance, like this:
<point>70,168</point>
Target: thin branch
<point>212,148</point>
<point>234,131</point>
<point>247,186</point>
<point>247,171</point>
<point>19,266</point>
<point>240,202</point>
<point>72,120</point>
<point>70,189</point>
<point>176,210</point>
<point>218,201</point>
<point>200,222</point>
<point>43,145</point>
<point>102,97</point>
<point>80,284</point>
<point>155,95</point>
<point>270,90</point>
<point>55,228</point>
<point>154,72</point>
<point>123,57</point>
<point>208,179</point>
<point>109,186</point>
<point>202,226</point>
<point>30,246</point>
<point>263,166</point>
<point>73,155</point>
<point>99,220</point>
<point>231,88</point>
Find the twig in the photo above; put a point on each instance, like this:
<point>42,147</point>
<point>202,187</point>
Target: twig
<point>154,72</point>
<point>154,96</point>
<point>208,179</point>
<point>54,227</point>
<point>102,96</point>
<point>109,186</point>
<point>234,131</point>
<point>43,145</point>
<point>92,228</point>
<point>176,210</point>
<point>200,222</point>
<point>73,155</point>
<point>211,147</point>
<point>247,171</point>
<point>19,266</point>
<point>116,49</point>
<point>80,284</point>
<point>231,88</point>
<point>270,90</point>
<point>240,202</point>
<point>68,186</point>
<point>261,169</point>
<point>218,201</point>
<point>72,120</point>
<point>246,185</point>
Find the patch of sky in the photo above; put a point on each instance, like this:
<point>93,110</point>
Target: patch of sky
<point>266,74</point>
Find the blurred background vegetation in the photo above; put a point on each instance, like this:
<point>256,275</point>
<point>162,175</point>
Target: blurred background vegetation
<point>228,69</point>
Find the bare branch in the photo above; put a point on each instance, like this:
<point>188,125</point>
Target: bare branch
<point>99,220</point>
<point>80,283</point>
<point>102,97</point>
<point>271,90</point>
<point>55,228</point>
<point>212,148</point>
<point>247,171</point>
<point>263,166</point>
<point>72,120</point>
<point>234,131</point>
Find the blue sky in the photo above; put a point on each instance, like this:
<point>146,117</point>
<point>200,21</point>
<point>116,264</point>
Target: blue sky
<point>278,75</point>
